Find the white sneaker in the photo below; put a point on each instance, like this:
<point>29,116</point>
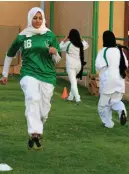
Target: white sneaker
<point>111,125</point>
<point>78,101</point>
<point>69,99</point>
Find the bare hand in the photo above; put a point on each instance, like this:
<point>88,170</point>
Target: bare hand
<point>66,39</point>
<point>4,80</point>
<point>52,50</point>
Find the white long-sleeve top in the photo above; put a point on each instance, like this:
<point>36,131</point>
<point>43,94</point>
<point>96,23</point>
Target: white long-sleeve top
<point>110,79</point>
<point>73,55</point>
<point>7,62</point>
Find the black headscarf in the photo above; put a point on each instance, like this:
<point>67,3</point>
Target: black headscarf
<point>75,39</point>
<point>109,41</point>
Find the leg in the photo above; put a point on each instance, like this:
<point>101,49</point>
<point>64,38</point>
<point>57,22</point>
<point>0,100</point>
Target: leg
<point>105,111</point>
<point>71,96</point>
<point>118,106</point>
<point>30,87</point>
<point>46,91</point>
<point>73,81</point>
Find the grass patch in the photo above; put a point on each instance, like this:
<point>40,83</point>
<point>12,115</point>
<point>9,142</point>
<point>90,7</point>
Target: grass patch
<point>75,142</point>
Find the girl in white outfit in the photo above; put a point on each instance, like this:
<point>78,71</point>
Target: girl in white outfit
<point>111,62</point>
<point>74,48</point>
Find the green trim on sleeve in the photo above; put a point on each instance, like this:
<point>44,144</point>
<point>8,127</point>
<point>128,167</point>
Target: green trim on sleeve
<point>67,49</point>
<point>104,55</point>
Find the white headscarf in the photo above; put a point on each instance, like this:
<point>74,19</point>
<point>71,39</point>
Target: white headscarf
<point>30,30</point>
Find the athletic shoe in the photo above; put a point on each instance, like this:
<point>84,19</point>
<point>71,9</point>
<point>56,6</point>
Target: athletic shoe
<point>69,99</point>
<point>38,143</point>
<point>78,102</point>
<point>109,124</point>
<point>30,143</point>
<point>35,143</point>
<point>123,118</point>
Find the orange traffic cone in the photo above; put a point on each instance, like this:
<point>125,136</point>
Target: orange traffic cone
<point>65,93</point>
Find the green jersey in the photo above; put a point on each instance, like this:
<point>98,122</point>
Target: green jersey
<point>36,60</point>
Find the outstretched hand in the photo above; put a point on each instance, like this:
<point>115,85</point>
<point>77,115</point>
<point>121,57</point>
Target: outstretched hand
<point>4,80</point>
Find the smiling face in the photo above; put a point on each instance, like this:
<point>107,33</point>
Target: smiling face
<point>37,20</point>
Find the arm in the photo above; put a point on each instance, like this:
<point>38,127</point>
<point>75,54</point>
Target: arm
<point>100,62</point>
<point>126,61</point>
<point>8,59</point>
<point>55,50</point>
<point>85,45</point>
<point>7,63</point>
<point>64,45</point>
<point>56,57</point>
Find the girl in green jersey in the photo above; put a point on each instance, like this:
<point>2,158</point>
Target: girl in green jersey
<point>39,51</point>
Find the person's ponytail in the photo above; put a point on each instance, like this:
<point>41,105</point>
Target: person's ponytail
<point>122,65</point>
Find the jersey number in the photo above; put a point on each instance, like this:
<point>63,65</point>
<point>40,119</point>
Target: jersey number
<point>27,44</point>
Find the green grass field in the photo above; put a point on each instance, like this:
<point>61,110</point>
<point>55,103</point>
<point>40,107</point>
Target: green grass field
<point>75,142</point>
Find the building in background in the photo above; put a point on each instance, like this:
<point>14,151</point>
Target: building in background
<point>67,15</point>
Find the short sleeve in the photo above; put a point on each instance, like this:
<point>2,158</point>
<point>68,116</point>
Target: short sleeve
<point>64,45</point>
<point>85,44</point>
<point>100,61</point>
<point>14,47</point>
<point>55,44</point>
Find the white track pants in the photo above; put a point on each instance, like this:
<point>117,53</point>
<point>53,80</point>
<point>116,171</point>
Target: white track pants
<point>73,80</point>
<point>107,103</point>
<point>37,101</point>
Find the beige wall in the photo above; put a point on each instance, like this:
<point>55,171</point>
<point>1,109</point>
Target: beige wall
<point>118,19</point>
<point>103,20</point>
<point>47,12</point>
<point>71,14</point>
<point>14,14</point>
<point>118,26</point>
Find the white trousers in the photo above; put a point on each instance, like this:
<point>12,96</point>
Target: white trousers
<point>107,103</point>
<point>73,81</point>
<point>37,102</point>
